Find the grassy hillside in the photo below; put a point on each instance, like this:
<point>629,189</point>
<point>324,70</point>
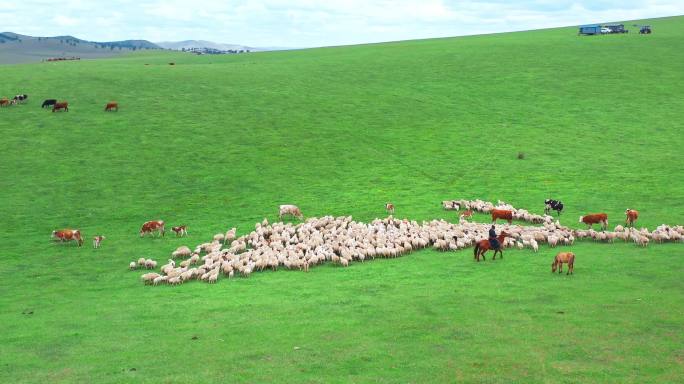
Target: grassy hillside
<point>216,142</point>
<point>16,48</point>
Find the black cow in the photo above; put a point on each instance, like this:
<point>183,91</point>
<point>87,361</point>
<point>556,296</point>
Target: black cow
<point>556,205</point>
<point>49,103</point>
<point>20,98</point>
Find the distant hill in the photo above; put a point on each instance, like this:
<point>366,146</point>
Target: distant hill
<point>188,44</point>
<point>16,48</point>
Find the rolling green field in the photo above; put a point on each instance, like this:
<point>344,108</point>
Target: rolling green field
<point>220,141</point>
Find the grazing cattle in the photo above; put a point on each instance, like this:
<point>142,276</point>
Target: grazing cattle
<point>112,106</point>
<point>389,207</point>
<point>4,102</point>
<point>61,105</point>
<point>20,98</point>
<point>289,209</point>
<point>556,205</point>
<point>596,218</point>
<point>632,216</point>
<point>97,240</point>
<point>49,103</point>
<point>467,214</point>
<point>502,214</point>
<point>181,230</point>
<point>563,258</point>
<point>152,226</point>
<point>68,235</point>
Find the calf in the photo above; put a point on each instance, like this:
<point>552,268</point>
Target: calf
<point>502,214</point>
<point>61,105</point>
<point>97,240</point>
<point>467,214</point>
<point>4,102</point>
<point>632,216</point>
<point>48,103</point>
<point>389,207</point>
<point>181,230</point>
<point>112,106</point>
<point>68,235</point>
<point>550,204</point>
<point>289,209</point>
<point>596,218</point>
<point>152,226</point>
<point>20,98</point>
<point>564,258</point>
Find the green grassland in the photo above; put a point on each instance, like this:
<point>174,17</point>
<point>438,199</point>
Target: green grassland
<point>219,141</point>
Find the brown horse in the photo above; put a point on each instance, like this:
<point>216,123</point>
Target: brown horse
<point>483,246</point>
<point>561,258</point>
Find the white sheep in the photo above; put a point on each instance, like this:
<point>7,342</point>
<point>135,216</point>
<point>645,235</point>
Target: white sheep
<point>182,251</point>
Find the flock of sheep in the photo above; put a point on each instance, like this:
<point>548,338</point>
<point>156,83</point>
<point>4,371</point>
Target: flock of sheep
<point>343,241</point>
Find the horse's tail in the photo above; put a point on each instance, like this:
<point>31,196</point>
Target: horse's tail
<point>476,249</point>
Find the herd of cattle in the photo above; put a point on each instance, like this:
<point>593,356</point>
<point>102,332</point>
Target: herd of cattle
<point>54,104</point>
<point>343,241</point>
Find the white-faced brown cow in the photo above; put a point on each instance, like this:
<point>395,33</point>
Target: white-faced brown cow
<point>97,240</point>
<point>389,207</point>
<point>68,235</point>
<point>289,209</point>
<point>181,230</point>
<point>632,216</point>
<point>152,226</point>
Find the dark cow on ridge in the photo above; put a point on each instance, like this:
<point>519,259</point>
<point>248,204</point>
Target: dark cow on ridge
<point>550,204</point>
<point>49,103</point>
<point>596,218</point>
<point>61,105</point>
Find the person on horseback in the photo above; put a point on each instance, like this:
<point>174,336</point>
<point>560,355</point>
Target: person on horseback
<point>493,241</point>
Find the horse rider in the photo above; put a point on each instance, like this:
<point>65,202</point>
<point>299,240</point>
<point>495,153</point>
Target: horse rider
<point>493,241</point>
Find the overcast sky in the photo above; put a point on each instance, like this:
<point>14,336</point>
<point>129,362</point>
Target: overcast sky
<point>308,23</point>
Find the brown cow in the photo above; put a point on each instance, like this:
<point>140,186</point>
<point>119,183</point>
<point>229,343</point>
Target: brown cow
<point>112,106</point>
<point>632,216</point>
<point>62,105</point>
<point>564,258</point>
<point>595,218</point>
<point>68,235</point>
<point>4,102</point>
<point>181,230</point>
<point>502,214</point>
<point>151,226</point>
<point>389,207</point>
<point>467,214</point>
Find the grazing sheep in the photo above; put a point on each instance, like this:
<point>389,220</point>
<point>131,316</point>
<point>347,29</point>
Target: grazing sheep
<point>219,237</point>
<point>150,264</point>
<point>289,209</point>
<point>148,278</point>
<point>341,240</point>
<point>132,265</point>
<point>182,251</point>
<point>141,262</point>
